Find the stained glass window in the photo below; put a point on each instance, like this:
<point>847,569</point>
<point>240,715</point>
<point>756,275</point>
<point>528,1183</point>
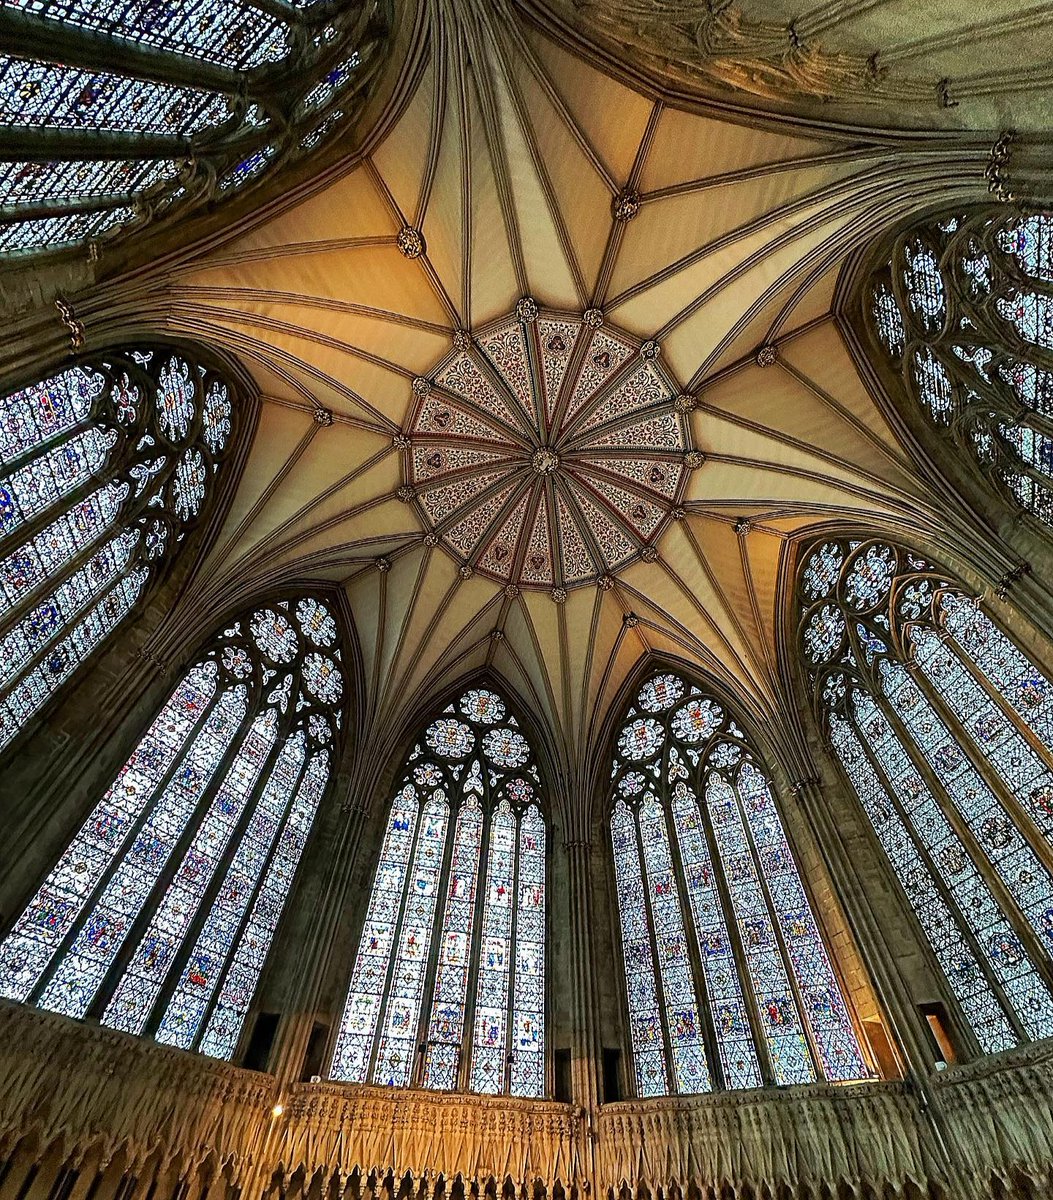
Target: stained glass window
<point>941,725</point>
<point>729,983</point>
<point>447,989</point>
<point>248,84</point>
<point>159,915</point>
<point>963,313</point>
<point>105,467</point>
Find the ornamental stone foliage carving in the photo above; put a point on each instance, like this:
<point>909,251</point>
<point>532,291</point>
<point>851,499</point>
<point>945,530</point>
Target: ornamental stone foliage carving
<point>199,102</point>
<point>549,452</point>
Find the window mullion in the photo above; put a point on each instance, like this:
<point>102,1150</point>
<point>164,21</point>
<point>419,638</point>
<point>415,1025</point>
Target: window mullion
<point>510,999</point>
<point>438,928</point>
<point>663,1012</point>
<point>475,953</point>
<point>395,940</point>
<point>28,35</point>
<point>773,914</point>
<point>129,841</point>
<point>698,976</point>
<point>208,897</point>
<point>1019,815</point>
<point>963,924</point>
<point>731,924</point>
<point>1002,895</point>
<point>145,915</point>
<point>54,579</point>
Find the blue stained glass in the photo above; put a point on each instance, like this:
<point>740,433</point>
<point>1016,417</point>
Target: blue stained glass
<point>239,985</point>
<point>41,95</point>
<point>690,1069</point>
<point>49,233</point>
<point>34,689</point>
<point>59,543</point>
<point>442,1055</point>
<point>398,1040</point>
<point>941,926</point>
<point>976,317</point>
<point>645,1021</point>
<point>40,182</point>
<point>51,914</point>
<point>732,883</point>
<point>490,1041</point>
<point>528,1011</point>
<point>1019,868</point>
<point>34,416</point>
<point>229,34</point>
<point>186,1007</point>
<point>738,1055</point>
<point>36,486</point>
<point>358,1025</point>
<point>71,471</point>
<point>212,783</point>
<point>824,1009</point>
<point>474,767</point>
<point>74,982</point>
<point>780,1019</point>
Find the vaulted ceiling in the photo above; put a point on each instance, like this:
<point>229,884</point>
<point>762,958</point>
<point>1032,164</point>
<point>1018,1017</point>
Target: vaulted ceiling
<point>529,172</point>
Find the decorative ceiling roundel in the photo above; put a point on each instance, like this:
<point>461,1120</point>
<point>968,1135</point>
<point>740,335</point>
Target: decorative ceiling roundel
<point>548,450</point>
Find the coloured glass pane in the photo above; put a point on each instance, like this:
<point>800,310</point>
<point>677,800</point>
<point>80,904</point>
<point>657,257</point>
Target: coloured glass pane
<point>398,1034</point>
<point>528,1011</point>
<point>690,1069</point>
<point>490,1040</point>
<point>442,1056</point>
<point>208,816</point>
<point>738,1055</point>
<point>645,1020</point>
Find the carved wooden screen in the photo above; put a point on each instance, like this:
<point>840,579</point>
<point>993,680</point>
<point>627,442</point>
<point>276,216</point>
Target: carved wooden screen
<point>105,466</point>
<point>945,731</point>
<point>964,309</point>
<point>159,915</point>
<point>729,983</point>
<point>448,986</point>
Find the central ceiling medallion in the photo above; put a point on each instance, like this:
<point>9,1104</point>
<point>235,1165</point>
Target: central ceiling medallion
<point>548,450</point>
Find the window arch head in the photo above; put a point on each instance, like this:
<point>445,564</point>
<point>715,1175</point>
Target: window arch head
<point>944,729</point>
<point>159,915</point>
<point>452,955</point>
<point>106,465</point>
<point>962,311</point>
<point>720,945</point>
<point>201,100</point>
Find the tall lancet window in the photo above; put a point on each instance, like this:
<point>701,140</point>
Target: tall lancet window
<point>105,466</point>
<point>729,983</point>
<point>448,986</point>
<point>158,917</point>
<point>945,731</point>
<point>964,311</point>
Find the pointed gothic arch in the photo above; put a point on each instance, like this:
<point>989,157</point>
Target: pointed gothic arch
<point>453,949</point>
<point>110,466</point>
<point>935,717</point>
<point>955,316</point>
<point>729,982</point>
<point>159,916</point>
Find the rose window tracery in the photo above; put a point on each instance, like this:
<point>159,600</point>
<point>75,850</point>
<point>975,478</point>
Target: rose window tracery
<point>548,450</point>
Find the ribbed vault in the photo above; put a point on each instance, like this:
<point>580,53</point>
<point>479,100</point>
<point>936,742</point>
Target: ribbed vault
<point>515,169</point>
